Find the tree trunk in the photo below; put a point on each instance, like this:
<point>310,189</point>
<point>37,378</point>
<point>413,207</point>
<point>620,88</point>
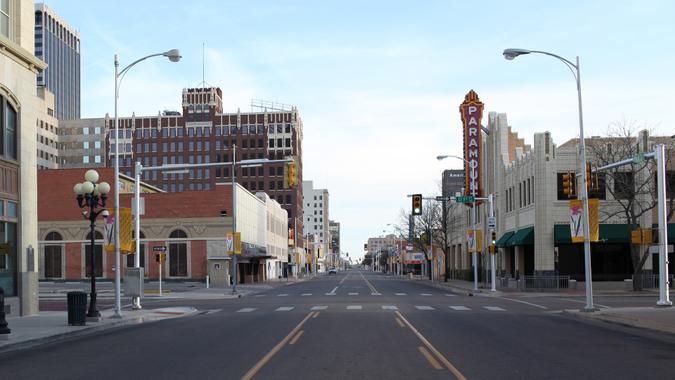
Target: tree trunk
<point>637,267</point>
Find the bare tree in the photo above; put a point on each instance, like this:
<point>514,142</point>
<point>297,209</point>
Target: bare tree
<point>632,187</point>
<point>425,225</point>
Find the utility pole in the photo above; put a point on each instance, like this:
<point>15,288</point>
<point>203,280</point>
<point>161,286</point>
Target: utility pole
<point>444,202</point>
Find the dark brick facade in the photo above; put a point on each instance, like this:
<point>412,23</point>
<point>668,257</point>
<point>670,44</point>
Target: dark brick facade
<point>203,134</point>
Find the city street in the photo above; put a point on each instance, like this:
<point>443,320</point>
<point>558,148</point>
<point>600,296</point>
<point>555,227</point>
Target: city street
<point>358,324</point>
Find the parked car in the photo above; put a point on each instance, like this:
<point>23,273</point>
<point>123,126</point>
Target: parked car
<point>332,271</point>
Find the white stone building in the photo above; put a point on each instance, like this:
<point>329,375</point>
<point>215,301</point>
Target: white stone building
<point>315,206</point>
<point>18,167</point>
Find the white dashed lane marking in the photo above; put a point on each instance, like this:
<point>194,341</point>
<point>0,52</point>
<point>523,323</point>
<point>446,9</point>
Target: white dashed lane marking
<point>459,308</point>
<point>285,308</point>
<point>246,310</point>
<point>494,308</point>
<point>319,307</point>
<point>282,295</point>
<point>354,307</point>
<point>425,294</point>
<point>353,294</point>
<point>424,307</point>
<point>389,307</point>
<point>401,294</point>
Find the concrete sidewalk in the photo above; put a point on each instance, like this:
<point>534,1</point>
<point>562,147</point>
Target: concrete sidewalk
<point>51,326</point>
<point>661,319</point>
<point>243,290</point>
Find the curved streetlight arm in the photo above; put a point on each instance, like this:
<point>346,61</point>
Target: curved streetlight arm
<point>444,156</point>
<point>512,53</point>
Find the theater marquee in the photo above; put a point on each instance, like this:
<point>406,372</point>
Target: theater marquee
<point>472,113</point>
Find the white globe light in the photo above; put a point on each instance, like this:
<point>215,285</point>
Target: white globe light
<point>104,188</point>
<point>91,175</point>
<point>87,187</point>
<point>78,189</point>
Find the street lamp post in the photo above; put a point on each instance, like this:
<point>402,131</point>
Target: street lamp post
<point>474,256</point>
<point>92,196</point>
<point>174,56</point>
<point>510,54</point>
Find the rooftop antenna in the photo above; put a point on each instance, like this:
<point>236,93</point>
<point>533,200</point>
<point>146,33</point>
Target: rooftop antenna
<point>203,66</point>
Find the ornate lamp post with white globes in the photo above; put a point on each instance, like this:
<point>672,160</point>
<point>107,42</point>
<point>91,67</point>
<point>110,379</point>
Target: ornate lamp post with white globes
<point>91,197</point>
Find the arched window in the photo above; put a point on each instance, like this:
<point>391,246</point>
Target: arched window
<point>98,255</point>
<point>8,125</point>
<point>178,254</point>
<point>53,255</point>
<point>131,258</point>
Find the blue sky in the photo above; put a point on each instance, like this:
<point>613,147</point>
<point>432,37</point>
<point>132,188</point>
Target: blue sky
<point>378,83</point>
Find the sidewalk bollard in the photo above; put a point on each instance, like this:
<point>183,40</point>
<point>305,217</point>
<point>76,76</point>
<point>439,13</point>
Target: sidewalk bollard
<point>4,330</point>
<point>207,282</point>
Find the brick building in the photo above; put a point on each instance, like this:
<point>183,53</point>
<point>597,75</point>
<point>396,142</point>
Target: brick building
<point>204,134</point>
<point>188,223</point>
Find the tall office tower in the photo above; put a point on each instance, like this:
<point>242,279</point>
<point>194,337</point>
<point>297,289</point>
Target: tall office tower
<point>58,44</point>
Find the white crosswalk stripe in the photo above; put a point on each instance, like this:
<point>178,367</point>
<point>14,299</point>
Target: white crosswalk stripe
<point>259,295</point>
<point>354,307</point>
<point>425,294</point>
<point>319,307</point>
<point>459,308</point>
<point>389,307</point>
<point>353,294</point>
<point>494,308</point>
<point>375,294</point>
<point>282,295</point>
<point>247,310</point>
<point>306,294</point>
<point>424,307</point>
<point>401,294</point>
<point>450,295</point>
<point>285,308</point>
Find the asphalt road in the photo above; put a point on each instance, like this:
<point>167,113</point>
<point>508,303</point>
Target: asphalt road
<point>357,325</point>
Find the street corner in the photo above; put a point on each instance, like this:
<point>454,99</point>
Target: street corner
<point>650,318</point>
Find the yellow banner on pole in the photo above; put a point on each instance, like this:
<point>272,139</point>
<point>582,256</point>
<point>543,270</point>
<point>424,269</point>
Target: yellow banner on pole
<point>474,245</point>
<point>233,243</point>
<point>577,220</point>
<point>127,244</point>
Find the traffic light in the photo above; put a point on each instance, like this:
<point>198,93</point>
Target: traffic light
<point>494,237</point>
<point>591,179</point>
<point>417,204</point>
<point>290,175</point>
<point>160,257</point>
<point>569,181</point>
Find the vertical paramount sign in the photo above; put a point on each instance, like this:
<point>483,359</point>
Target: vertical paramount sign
<point>472,112</point>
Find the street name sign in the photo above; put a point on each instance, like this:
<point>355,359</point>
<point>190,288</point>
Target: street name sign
<point>465,199</point>
<point>160,248</point>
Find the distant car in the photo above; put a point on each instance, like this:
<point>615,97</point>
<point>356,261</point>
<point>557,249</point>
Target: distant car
<point>332,271</point>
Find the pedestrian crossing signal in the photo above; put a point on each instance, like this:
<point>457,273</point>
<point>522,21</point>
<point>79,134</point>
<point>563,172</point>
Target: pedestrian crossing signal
<point>417,204</point>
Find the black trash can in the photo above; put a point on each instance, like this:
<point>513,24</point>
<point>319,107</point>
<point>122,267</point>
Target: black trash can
<point>77,308</point>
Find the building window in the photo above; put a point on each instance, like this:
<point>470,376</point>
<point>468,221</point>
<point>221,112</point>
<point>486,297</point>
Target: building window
<point>97,159</point>
<point>4,18</point>
<point>97,145</point>
<point>53,255</point>
<point>8,126</point>
<point>178,254</point>
<point>98,255</point>
<point>624,185</point>
<point>85,159</point>
<point>85,145</point>
<point>8,258</point>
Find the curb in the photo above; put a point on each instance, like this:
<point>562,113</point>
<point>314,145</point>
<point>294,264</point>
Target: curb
<point>617,321</point>
<point>26,344</point>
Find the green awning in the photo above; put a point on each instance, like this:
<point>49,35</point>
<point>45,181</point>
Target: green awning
<point>671,232</point>
<point>501,243</point>
<point>524,236</point>
<point>609,233</point>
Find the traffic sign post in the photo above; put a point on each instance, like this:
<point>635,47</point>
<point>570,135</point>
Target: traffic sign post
<point>160,257</point>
